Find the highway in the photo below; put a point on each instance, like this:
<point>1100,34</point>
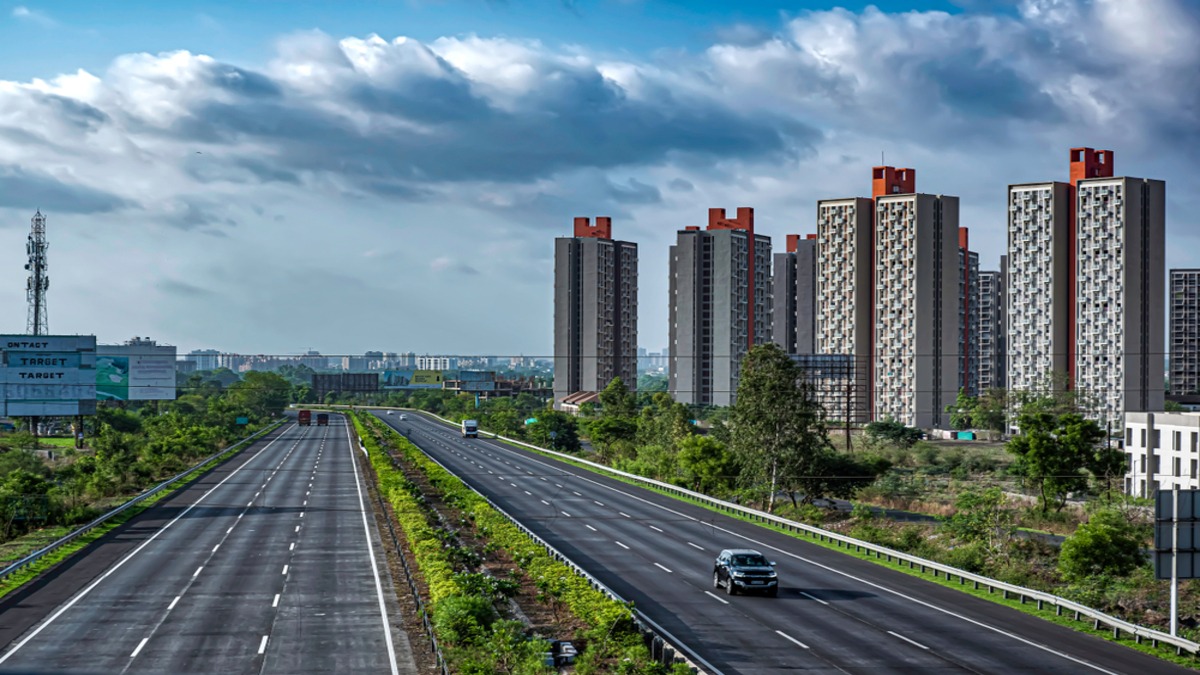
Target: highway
<point>266,565</point>
<point>834,613</point>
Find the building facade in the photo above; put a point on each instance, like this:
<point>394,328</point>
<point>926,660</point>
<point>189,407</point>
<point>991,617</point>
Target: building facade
<point>719,306</point>
<point>1162,450</point>
<point>595,309</point>
<point>1184,378</point>
<point>844,289</point>
<point>1038,300</point>
<point>1120,307</point>
<point>992,285</point>
<point>968,315</point>
<point>793,293</point>
<point>915,360</point>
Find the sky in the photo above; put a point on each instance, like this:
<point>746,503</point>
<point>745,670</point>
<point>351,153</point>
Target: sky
<point>270,176</point>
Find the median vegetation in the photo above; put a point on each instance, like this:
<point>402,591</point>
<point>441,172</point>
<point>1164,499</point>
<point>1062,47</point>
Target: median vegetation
<point>492,590</point>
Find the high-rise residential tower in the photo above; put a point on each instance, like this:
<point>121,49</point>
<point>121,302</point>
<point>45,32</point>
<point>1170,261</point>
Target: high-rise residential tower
<point>992,285</point>
<point>1184,378</point>
<point>794,287</point>
<point>720,305</point>
<point>1085,292</point>
<point>916,270</point>
<point>968,315</point>
<point>595,309</point>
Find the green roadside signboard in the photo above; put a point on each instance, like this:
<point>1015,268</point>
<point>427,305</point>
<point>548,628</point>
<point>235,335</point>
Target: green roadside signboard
<point>243,420</point>
<point>531,420</point>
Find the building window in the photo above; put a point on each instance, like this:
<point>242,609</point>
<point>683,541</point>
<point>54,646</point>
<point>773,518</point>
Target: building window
<point>1193,468</point>
<point>1177,468</point>
<point>1157,439</point>
<point>1178,442</point>
<point>1144,438</point>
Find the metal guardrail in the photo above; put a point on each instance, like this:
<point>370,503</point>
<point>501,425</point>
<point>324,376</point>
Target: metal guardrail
<point>664,646</point>
<point>1024,595</point>
<point>40,553</point>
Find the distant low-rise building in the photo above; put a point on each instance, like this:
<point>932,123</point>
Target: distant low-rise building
<point>1162,452</point>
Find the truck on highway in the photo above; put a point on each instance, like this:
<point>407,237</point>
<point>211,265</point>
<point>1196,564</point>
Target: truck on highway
<point>322,419</point>
<point>470,429</point>
<point>305,418</point>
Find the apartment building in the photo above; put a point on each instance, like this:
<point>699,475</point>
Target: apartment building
<point>1162,451</point>
<point>1184,374</point>
<point>595,309</point>
<point>793,294</point>
<point>992,285</point>
<point>917,305</point>
<point>719,306</point>
<point>968,315</point>
<point>1120,304</point>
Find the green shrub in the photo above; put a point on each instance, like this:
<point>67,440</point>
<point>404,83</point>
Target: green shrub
<point>463,618</point>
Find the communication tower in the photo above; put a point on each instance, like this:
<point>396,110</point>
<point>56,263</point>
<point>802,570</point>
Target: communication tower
<point>39,279</point>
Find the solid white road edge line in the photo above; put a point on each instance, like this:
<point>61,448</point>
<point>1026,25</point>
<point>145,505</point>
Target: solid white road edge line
<point>387,630</point>
<point>82,594</point>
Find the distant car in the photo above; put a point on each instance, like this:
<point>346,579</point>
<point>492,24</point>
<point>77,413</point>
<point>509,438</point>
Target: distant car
<point>389,412</point>
<point>403,417</point>
<point>744,569</point>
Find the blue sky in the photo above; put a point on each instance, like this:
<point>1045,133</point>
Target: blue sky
<point>211,169</point>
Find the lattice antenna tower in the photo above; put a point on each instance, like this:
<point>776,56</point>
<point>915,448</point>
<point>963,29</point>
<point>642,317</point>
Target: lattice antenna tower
<point>39,278</point>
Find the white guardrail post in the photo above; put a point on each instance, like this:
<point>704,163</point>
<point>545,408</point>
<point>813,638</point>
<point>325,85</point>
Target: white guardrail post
<point>1024,595</point>
<point>39,554</point>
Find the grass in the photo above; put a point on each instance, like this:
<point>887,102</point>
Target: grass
<point>57,442</point>
<point>1165,652</point>
<point>15,549</point>
<point>23,576</point>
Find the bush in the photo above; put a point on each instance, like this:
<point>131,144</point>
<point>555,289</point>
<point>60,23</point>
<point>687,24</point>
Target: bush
<point>463,618</point>
<point>1108,544</point>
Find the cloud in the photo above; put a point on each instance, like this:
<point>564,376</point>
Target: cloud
<point>29,190</point>
<point>182,289</point>
<point>23,13</point>
<point>445,264</point>
<point>634,192</point>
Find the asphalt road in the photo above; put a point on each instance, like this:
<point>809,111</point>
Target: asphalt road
<point>268,566</point>
<point>834,613</point>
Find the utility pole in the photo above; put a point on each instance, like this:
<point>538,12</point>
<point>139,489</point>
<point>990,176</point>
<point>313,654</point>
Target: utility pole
<point>36,286</point>
<point>849,399</point>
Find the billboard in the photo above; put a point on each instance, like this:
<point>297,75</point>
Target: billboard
<point>138,371</point>
<point>48,375</point>
<point>412,379</point>
<point>477,376</point>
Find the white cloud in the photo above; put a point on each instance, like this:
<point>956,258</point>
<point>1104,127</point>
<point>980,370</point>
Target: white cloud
<point>459,159</point>
<point>24,13</point>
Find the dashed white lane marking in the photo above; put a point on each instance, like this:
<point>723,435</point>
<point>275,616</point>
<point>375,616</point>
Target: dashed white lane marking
<point>285,569</point>
<point>197,572</point>
<point>663,568</point>
<point>292,547</point>
<point>598,503</point>
<point>541,478</point>
<point>301,514</point>
<point>590,527</point>
<point>622,546</point>
<point>275,602</point>
<point>528,493</point>
<point>792,639</point>
<point>139,647</point>
<point>229,530</point>
<point>216,547</point>
<point>698,546</point>
<point>719,598</point>
<point>297,528</point>
<point>557,485</point>
<point>544,502</point>
<point>566,514</point>
<point>513,484</point>
<point>576,493</point>
<point>910,641</point>
<point>624,514</point>
<point>655,528</point>
<point>813,597</point>
<point>173,603</point>
<point>262,646</point>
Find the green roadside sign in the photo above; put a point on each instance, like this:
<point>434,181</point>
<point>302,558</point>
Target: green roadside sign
<point>243,420</point>
<point>531,420</point>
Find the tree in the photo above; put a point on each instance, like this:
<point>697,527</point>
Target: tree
<point>1108,544</point>
<point>982,516</point>
<point>991,411</point>
<point>1053,450</point>
<point>705,463</point>
<point>893,432</point>
<point>776,426</point>
<point>617,401</point>
<point>1173,407</point>
<point>962,411</point>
